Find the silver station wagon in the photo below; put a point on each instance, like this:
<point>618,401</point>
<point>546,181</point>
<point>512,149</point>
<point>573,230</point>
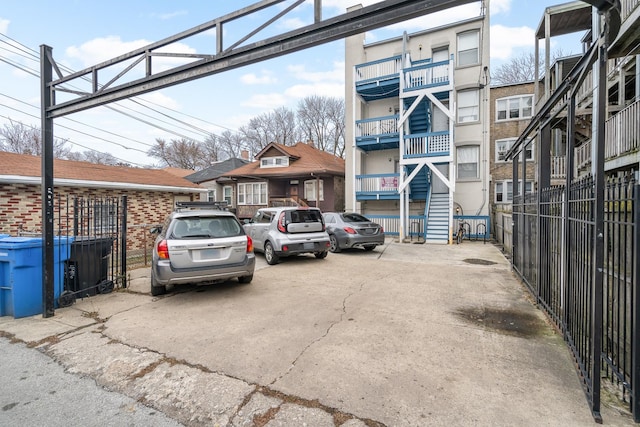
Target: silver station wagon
<point>285,231</point>
<point>200,245</point>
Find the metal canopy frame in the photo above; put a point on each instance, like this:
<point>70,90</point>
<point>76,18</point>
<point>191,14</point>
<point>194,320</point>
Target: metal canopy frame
<point>224,59</point>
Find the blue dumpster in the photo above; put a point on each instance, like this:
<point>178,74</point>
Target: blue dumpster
<point>21,274</point>
<point>2,236</point>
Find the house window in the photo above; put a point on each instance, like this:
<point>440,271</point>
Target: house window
<point>504,190</point>
<point>227,193</point>
<point>504,145</point>
<point>514,107</point>
<point>252,193</point>
<point>274,162</point>
<point>439,55</point>
<point>468,43</point>
<point>468,162</point>
<point>211,196</point>
<point>468,106</point>
<point>310,190</point>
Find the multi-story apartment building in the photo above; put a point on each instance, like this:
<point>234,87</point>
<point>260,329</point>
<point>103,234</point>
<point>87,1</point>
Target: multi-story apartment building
<point>511,109</point>
<point>417,133</point>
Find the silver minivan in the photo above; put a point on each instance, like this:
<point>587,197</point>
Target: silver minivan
<point>284,231</point>
<point>200,246</point>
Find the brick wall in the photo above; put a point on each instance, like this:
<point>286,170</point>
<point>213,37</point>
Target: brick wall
<point>21,210</point>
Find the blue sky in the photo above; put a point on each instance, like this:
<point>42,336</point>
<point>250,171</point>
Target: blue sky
<point>84,33</point>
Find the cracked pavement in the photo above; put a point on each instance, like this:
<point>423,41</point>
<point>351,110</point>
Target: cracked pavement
<point>358,339</point>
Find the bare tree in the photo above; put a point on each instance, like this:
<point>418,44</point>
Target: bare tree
<point>180,153</point>
<point>232,144</point>
<point>96,157</point>
<point>521,68</point>
<point>212,149</point>
<point>321,120</point>
<point>277,126</point>
<point>16,137</point>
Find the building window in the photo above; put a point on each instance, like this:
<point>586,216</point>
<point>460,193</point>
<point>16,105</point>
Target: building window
<point>514,108</point>
<point>227,192</point>
<point>468,162</point>
<point>310,190</point>
<point>274,162</point>
<point>504,145</point>
<point>439,55</point>
<point>504,190</point>
<point>252,193</point>
<point>468,43</point>
<point>468,106</point>
<point>211,196</point>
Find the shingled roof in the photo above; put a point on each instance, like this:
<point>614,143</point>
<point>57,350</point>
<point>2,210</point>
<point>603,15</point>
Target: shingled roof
<point>304,160</point>
<point>24,168</point>
<point>216,170</point>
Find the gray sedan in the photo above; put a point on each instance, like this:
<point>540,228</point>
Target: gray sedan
<point>352,230</point>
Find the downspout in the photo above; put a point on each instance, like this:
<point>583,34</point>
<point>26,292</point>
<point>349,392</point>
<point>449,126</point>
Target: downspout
<point>485,147</point>
<point>353,141</point>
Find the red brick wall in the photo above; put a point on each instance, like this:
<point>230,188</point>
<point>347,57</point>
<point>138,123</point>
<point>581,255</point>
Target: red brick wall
<point>21,209</point>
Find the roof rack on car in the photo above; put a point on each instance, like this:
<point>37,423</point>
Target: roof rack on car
<point>221,206</point>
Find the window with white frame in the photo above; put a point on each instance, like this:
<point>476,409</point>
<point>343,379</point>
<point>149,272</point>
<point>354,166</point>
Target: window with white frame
<point>310,190</point>
<point>504,190</point>
<point>468,48</point>
<point>227,193</point>
<point>468,106</point>
<point>440,54</point>
<point>274,162</point>
<point>467,160</point>
<point>211,195</point>
<point>252,193</point>
<point>514,107</point>
<point>504,145</point>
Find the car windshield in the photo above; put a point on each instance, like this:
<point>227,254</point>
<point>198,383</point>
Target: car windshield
<point>306,216</point>
<point>206,227</point>
<point>354,217</point>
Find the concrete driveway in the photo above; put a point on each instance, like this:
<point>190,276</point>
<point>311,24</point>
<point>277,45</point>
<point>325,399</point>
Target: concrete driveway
<point>406,335</point>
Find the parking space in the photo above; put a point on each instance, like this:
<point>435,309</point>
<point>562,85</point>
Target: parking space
<point>405,335</point>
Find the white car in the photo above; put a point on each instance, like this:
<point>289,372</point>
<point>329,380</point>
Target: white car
<point>284,231</point>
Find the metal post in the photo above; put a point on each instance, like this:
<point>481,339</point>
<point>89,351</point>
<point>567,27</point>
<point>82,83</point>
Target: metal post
<point>544,181</point>
<point>46,98</point>
<point>514,220</point>
<point>568,243</point>
<point>598,251</point>
<point>635,325</point>
<point>123,242</point>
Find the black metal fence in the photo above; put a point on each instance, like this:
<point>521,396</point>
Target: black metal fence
<point>98,252</point>
<point>557,267</point>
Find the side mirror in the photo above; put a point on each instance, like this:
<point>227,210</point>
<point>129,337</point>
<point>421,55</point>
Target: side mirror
<point>247,221</point>
<point>156,230</point>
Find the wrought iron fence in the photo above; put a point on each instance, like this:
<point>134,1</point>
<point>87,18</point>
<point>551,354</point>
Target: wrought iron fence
<point>558,269</point>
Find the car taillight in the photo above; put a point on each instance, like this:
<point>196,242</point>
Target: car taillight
<point>281,227</point>
<point>163,249</point>
<point>381,229</point>
<point>350,230</point>
<point>249,245</point>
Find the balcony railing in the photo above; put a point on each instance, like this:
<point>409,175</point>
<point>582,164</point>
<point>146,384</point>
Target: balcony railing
<point>558,167</point>
<point>389,67</point>
<point>427,75</point>
<point>622,132</point>
<point>627,7</point>
<point>377,186</point>
<point>583,155</point>
<point>377,126</point>
<point>427,144</point>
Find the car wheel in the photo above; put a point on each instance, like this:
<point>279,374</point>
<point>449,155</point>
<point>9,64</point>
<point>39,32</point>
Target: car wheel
<point>270,254</point>
<point>321,255</point>
<point>369,247</point>
<point>155,288</point>
<point>335,246</point>
<point>245,279</point>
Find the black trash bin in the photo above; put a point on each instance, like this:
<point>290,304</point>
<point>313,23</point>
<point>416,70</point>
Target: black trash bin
<point>88,265</point>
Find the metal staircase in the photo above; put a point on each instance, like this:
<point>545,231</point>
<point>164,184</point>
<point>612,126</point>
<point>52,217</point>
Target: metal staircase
<point>438,219</point>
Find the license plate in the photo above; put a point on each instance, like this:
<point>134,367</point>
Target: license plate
<point>209,253</point>
<point>308,246</point>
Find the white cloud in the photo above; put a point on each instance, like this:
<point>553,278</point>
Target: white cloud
<point>104,48</point>
<point>293,23</point>
<point>499,6</point>
<point>4,26</point>
<point>300,72</point>
<point>505,39</point>
<point>265,77</point>
<point>438,19</point>
<point>297,92</point>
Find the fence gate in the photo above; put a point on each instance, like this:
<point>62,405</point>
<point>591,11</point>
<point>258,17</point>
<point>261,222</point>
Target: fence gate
<point>97,259</point>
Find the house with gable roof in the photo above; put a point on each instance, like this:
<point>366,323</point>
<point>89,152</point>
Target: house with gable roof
<point>218,189</point>
<point>298,175</point>
<point>151,193</point>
